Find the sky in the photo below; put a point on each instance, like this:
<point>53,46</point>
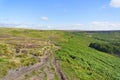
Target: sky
<point>61,14</point>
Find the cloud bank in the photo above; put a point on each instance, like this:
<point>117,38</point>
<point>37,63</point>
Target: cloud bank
<point>95,25</point>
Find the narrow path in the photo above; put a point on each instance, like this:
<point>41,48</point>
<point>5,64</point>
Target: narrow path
<point>58,70</point>
<point>16,74</point>
<point>49,67</point>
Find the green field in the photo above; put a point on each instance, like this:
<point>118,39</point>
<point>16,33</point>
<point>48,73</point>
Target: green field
<point>78,61</point>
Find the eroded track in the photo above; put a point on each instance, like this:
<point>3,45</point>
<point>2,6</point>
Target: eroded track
<point>47,69</point>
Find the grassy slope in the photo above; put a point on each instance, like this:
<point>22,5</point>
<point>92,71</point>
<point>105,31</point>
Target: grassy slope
<point>77,60</point>
<point>20,38</point>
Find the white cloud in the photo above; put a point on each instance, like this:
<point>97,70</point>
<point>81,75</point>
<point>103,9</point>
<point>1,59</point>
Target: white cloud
<point>44,18</point>
<point>95,25</point>
<point>67,27</point>
<point>115,3</point>
<point>25,25</point>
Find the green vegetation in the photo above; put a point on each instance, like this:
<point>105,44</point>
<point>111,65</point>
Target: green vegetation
<point>18,49</point>
<point>105,47</point>
<point>78,61</point>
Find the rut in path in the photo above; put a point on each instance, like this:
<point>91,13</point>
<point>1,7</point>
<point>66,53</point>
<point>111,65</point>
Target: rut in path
<point>48,69</point>
<point>58,70</point>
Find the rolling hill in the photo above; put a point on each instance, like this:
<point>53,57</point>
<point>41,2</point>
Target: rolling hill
<point>27,54</point>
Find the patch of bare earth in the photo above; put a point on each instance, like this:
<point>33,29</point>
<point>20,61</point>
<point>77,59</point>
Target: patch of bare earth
<point>47,69</point>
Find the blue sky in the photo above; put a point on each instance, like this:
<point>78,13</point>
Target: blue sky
<point>61,14</point>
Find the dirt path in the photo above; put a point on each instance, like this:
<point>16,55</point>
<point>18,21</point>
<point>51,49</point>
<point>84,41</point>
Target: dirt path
<point>16,74</point>
<point>47,69</point>
<point>58,70</point>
